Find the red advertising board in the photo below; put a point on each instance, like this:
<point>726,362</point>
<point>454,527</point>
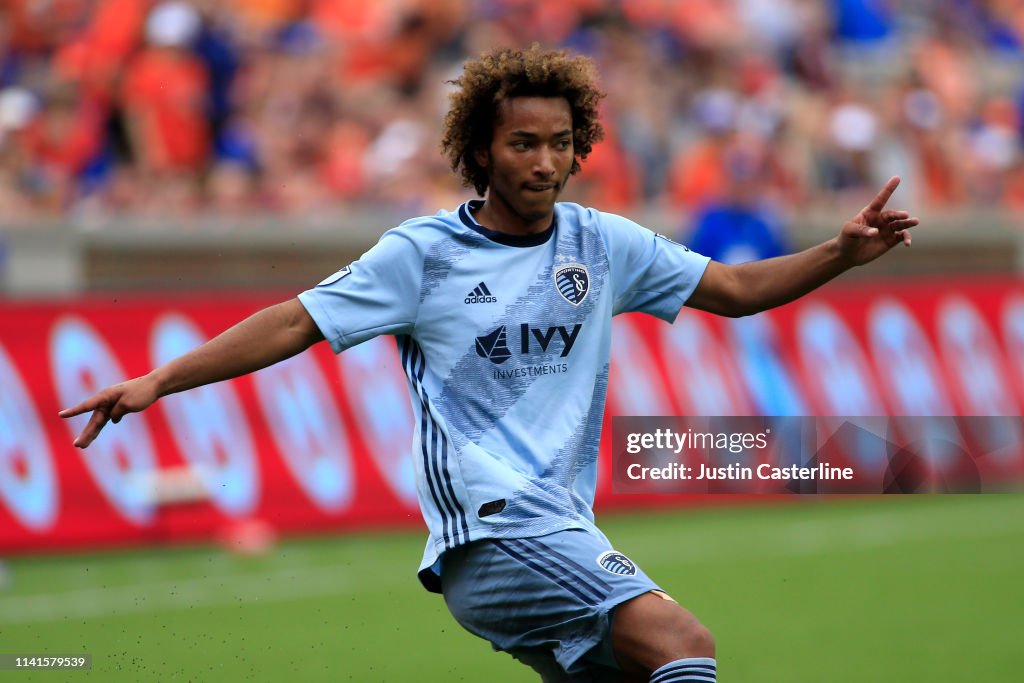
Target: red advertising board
<point>320,442</point>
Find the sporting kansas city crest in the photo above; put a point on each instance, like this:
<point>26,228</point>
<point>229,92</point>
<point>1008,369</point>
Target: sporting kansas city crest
<point>572,282</point>
<point>616,563</point>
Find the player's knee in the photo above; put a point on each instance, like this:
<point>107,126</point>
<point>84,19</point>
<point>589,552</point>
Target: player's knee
<point>686,637</point>
<point>649,634</point>
<point>689,638</point>
<point>697,641</point>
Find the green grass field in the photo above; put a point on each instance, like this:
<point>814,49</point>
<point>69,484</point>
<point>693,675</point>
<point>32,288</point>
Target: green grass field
<point>896,589</point>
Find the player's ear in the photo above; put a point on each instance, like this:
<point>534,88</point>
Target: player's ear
<point>482,156</point>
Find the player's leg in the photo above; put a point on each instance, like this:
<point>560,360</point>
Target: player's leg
<point>545,600</point>
<point>655,637</point>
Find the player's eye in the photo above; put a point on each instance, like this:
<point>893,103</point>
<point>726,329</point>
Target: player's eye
<point>520,145</point>
<point>563,145</point>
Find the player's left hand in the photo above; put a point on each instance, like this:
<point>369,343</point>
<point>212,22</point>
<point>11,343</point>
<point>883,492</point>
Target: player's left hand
<point>111,404</point>
<point>875,230</point>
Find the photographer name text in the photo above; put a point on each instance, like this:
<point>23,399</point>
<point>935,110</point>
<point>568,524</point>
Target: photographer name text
<point>764,472</point>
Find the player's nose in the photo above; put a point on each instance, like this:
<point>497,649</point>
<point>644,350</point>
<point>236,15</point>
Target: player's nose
<point>544,163</point>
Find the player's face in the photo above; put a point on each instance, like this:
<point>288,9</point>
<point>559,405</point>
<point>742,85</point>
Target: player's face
<point>529,159</point>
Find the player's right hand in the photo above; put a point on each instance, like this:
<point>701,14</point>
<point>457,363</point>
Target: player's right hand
<point>111,404</point>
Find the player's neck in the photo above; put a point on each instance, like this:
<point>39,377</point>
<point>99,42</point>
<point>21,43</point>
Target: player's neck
<point>497,215</point>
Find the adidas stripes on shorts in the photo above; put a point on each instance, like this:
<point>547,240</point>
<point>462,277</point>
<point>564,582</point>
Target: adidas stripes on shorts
<point>546,600</point>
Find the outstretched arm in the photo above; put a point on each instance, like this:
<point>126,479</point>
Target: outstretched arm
<point>262,339</point>
<point>748,288</point>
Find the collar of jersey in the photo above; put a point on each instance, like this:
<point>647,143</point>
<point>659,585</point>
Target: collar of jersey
<point>465,213</point>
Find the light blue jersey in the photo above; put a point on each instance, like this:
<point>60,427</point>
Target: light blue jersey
<point>506,343</point>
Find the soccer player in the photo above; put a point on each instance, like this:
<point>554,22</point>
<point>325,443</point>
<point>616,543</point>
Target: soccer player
<point>502,311</point>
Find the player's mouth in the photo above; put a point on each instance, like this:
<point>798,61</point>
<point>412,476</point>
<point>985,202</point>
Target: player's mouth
<point>541,187</point>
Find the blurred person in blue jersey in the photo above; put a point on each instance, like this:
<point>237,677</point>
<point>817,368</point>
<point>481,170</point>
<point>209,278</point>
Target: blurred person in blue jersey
<point>739,226</point>
<point>501,309</point>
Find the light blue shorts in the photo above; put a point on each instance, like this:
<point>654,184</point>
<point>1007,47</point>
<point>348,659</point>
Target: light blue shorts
<point>547,601</point>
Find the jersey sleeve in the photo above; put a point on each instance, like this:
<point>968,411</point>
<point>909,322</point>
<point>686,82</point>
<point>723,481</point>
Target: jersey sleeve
<point>378,294</point>
<point>650,273</point>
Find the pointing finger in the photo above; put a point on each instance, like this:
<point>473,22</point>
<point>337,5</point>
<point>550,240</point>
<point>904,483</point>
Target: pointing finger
<point>92,429</point>
<point>91,403</point>
<point>878,203</point>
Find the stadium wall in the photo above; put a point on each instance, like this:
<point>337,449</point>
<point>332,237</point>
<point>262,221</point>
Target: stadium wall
<point>48,259</point>
<point>320,442</point>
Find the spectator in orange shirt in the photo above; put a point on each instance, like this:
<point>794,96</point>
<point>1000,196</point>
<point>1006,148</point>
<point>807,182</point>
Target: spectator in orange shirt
<point>96,56</point>
<point>165,95</point>
<point>61,141</point>
<point>610,180</point>
<point>698,174</point>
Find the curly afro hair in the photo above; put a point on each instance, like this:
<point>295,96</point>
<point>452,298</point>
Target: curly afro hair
<point>501,74</point>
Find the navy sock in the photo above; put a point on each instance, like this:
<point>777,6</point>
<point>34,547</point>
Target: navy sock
<point>689,670</point>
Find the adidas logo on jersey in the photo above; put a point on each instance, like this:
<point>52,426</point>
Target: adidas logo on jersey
<point>481,295</point>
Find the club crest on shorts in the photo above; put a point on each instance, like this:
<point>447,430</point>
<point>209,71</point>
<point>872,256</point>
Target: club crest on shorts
<point>615,562</point>
<point>572,282</point>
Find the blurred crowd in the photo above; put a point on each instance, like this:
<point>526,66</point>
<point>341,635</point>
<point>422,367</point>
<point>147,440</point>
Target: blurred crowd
<point>293,107</point>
